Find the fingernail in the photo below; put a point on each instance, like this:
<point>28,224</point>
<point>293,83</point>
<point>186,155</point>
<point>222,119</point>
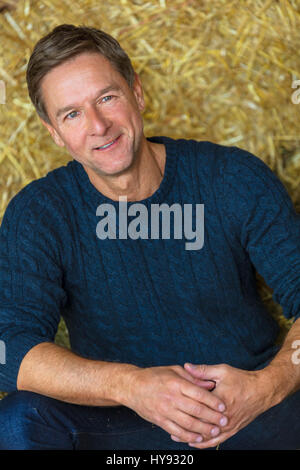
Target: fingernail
<point>199,439</point>
<point>215,431</point>
<point>223,421</point>
<point>221,407</point>
<point>174,438</point>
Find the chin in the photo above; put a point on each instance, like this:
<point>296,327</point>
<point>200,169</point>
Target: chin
<point>117,169</point>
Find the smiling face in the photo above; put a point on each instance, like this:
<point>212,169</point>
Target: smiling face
<point>90,105</point>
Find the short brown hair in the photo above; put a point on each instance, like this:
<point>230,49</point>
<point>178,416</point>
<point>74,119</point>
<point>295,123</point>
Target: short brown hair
<point>65,42</point>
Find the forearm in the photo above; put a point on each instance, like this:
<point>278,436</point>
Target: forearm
<point>167,395</point>
<point>57,372</point>
<point>283,372</point>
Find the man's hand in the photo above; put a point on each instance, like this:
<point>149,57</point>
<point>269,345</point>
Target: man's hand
<point>176,401</point>
<point>245,393</point>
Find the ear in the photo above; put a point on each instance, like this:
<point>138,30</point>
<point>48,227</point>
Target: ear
<point>138,92</point>
<point>57,139</point>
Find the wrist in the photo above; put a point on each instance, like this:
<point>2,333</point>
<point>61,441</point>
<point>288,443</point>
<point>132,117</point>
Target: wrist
<point>274,385</point>
<point>121,382</point>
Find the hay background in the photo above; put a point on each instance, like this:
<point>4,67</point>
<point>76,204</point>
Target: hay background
<point>214,70</point>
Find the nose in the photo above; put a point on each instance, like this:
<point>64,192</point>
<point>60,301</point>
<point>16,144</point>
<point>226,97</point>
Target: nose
<point>96,122</point>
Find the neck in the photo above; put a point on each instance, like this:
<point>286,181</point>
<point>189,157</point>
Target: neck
<point>140,181</point>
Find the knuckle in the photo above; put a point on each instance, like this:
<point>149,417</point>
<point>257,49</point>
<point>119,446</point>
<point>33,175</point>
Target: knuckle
<point>215,403</point>
<point>197,411</point>
<point>200,393</point>
<point>202,367</point>
<point>224,367</point>
<point>210,431</point>
<point>186,436</point>
<point>187,422</point>
<point>182,435</point>
<point>163,407</point>
<point>171,383</point>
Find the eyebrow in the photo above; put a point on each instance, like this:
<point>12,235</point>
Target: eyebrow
<point>75,105</point>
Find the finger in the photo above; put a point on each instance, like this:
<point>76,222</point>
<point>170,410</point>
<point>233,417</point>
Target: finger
<point>206,445</point>
<point>177,439</point>
<point>203,396</point>
<point>208,384</point>
<point>185,426</point>
<point>179,434</point>
<point>206,429</point>
<point>202,412</point>
<point>186,375</point>
<point>211,442</point>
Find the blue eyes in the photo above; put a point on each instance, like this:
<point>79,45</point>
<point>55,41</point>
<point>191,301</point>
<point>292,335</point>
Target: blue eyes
<point>68,115</point>
<point>109,97</point>
<point>105,100</point>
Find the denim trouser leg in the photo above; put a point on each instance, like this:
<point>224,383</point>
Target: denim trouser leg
<point>32,421</point>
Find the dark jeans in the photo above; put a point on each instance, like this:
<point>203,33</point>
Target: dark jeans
<point>32,421</point>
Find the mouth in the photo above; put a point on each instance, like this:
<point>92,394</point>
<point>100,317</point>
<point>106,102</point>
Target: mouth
<point>107,146</point>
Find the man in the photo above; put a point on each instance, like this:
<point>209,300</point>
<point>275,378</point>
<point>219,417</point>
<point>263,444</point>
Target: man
<point>171,347</point>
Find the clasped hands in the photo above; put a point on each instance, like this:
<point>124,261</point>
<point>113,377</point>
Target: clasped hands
<point>201,405</point>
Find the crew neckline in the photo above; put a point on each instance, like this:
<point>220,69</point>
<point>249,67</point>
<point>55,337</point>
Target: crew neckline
<point>158,196</point>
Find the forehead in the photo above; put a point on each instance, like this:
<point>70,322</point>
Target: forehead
<point>79,68</point>
<point>78,79</point>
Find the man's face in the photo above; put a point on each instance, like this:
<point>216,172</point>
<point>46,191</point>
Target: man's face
<point>102,111</point>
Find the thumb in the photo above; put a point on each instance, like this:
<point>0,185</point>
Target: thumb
<point>202,371</point>
<point>207,384</point>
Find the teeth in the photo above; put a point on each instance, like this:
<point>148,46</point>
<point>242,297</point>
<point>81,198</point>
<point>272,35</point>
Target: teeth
<point>107,145</point>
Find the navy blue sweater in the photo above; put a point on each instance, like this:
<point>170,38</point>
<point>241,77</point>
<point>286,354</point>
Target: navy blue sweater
<point>151,301</point>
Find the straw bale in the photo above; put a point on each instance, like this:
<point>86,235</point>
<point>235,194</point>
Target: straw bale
<point>214,70</point>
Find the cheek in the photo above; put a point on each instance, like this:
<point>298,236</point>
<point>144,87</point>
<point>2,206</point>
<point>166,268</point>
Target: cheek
<point>75,140</point>
<point>135,123</point>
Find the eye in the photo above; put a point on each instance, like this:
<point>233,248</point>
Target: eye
<point>72,112</point>
<point>107,98</point>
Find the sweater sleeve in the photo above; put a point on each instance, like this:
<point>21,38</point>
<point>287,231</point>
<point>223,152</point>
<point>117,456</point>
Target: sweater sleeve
<point>264,219</point>
<point>31,293</point>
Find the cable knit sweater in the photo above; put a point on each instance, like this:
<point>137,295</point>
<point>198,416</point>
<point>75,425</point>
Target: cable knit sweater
<point>151,301</point>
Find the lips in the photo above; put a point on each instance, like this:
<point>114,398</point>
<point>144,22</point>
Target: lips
<point>108,145</point>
